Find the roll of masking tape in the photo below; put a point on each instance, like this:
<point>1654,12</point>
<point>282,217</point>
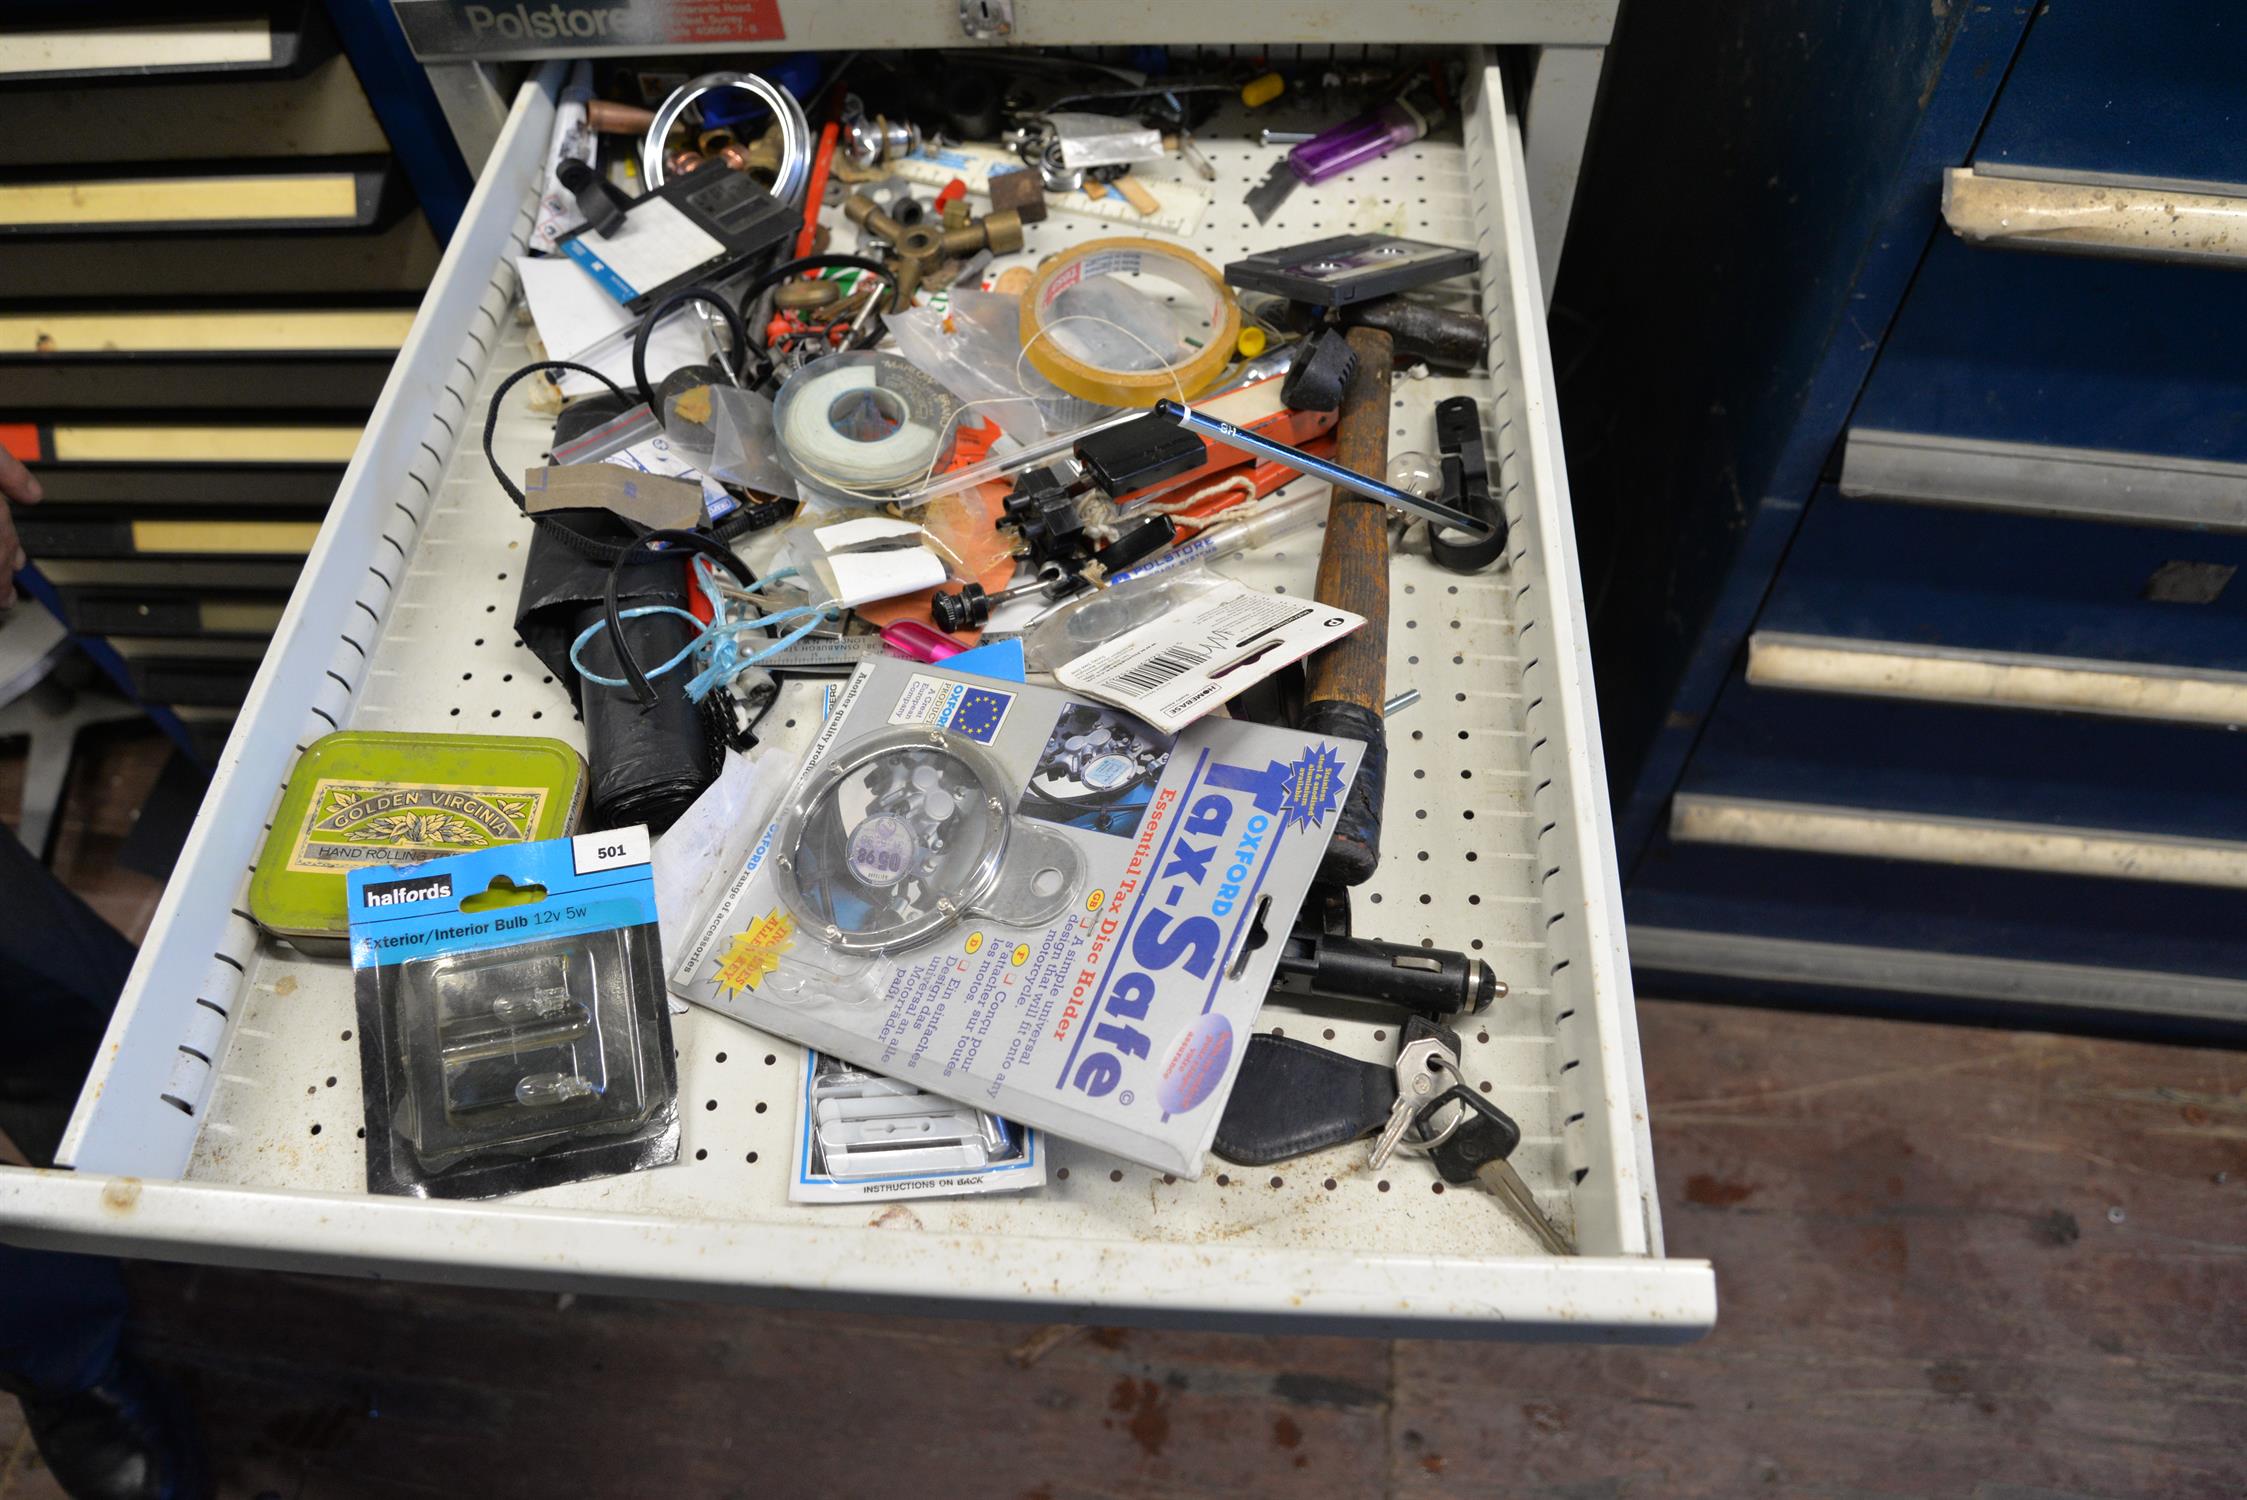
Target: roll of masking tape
<point>858,427</point>
<point>1069,330</point>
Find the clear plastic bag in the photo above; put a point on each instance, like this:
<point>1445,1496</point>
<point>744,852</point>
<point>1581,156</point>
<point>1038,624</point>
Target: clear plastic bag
<point>974,349</point>
<point>1112,323</point>
<point>744,452</point>
<point>1094,619</point>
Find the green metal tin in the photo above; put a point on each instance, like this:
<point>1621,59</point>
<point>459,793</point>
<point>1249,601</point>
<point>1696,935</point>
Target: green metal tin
<point>363,797</point>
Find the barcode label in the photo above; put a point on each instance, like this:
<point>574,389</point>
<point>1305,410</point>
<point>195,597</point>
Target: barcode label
<point>1172,670</point>
<point>1158,669</point>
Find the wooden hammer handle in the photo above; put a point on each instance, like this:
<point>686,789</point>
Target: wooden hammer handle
<point>1345,684</point>
<point>1354,560</point>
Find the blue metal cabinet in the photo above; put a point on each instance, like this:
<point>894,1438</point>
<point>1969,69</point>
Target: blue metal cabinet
<point>1914,561</point>
<point>1942,580</point>
<point>2126,91</point>
<point>2068,351</point>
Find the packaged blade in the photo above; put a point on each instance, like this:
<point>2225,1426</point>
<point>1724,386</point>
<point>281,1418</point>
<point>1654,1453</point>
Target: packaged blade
<point>839,655</point>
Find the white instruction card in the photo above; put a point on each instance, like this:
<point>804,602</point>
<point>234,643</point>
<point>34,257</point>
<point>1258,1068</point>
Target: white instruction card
<point>657,243</point>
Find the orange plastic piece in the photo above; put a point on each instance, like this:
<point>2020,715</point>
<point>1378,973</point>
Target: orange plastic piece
<point>965,527</point>
<point>815,190</point>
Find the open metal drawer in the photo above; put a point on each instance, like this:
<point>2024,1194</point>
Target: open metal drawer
<point>1498,839</point>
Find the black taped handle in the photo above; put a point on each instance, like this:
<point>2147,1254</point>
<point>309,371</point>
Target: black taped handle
<point>1355,850</point>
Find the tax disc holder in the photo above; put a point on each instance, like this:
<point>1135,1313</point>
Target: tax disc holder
<point>906,834</point>
<point>903,837</point>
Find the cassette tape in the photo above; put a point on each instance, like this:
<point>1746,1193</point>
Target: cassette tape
<point>1349,268</point>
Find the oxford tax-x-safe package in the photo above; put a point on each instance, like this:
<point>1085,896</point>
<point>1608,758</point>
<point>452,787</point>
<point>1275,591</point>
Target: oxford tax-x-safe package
<point>1035,905</point>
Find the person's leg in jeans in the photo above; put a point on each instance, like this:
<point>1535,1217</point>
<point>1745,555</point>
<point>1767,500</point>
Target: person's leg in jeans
<point>103,1427</point>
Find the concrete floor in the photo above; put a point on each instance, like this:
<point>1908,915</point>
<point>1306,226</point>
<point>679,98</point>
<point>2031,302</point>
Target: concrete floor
<point>1952,1262</point>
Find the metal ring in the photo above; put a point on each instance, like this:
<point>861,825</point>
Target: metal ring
<point>981,768</point>
<point>795,130</point>
<point>1407,1145</point>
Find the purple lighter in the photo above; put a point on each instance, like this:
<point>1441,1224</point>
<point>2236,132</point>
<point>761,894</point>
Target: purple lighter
<point>1357,141</point>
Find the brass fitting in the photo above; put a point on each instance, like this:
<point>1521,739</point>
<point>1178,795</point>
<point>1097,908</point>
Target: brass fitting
<point>762,156</point>
<point>908,282</point>
<point>1000,233</point>
<point>867,214</point>
<point>918,251</point>
<point>800,294</point>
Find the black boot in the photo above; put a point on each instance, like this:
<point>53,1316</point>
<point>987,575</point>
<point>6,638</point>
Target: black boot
<point>125,1437</point>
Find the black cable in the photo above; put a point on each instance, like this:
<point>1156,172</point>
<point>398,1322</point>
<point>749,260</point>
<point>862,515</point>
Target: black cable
<point>657,313</point>
<point>744,737</point>
<point>591,548</point>
<point>491,417</point>
<point>691,541</point>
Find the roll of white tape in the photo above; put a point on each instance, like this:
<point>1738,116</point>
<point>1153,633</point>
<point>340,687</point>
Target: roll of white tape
<point>862,427</point>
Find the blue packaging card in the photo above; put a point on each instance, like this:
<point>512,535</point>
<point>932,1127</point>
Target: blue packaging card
<point>466,903</point>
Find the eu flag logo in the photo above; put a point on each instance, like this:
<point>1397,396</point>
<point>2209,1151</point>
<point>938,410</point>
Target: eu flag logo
<point>979,713</point>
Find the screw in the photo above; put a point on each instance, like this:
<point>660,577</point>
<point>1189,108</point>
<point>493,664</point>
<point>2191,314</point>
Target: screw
<point>1282,137</point>
<point>2115,1215</point>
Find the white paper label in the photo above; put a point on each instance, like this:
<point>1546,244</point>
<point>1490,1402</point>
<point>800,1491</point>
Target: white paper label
<point>1172,670</point>
<point>610,850</point>
<point>855,578</point>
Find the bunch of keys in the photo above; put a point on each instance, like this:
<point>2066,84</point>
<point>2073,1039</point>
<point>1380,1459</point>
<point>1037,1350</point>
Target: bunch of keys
<point>1467,1137</point>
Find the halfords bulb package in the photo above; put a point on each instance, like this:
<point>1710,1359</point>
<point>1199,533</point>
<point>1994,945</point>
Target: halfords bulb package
<point>1034,905</point>
<point>513,1026</point>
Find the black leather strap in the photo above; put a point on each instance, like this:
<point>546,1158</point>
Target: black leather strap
<point>1292,1099</point>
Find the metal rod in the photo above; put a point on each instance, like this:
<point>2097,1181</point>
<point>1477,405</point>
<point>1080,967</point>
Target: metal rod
<point>1319,468</point>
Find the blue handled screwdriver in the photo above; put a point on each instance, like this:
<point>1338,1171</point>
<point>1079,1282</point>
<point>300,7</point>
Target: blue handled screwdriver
<point>1318,468</point>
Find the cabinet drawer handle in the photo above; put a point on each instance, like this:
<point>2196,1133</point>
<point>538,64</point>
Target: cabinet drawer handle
<point>2095,217</point>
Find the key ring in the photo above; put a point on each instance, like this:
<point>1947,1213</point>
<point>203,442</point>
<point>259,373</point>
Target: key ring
<point>1410,1146</point>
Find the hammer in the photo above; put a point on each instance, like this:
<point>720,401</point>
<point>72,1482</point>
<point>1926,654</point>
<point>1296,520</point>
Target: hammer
<point>1346,682</point>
